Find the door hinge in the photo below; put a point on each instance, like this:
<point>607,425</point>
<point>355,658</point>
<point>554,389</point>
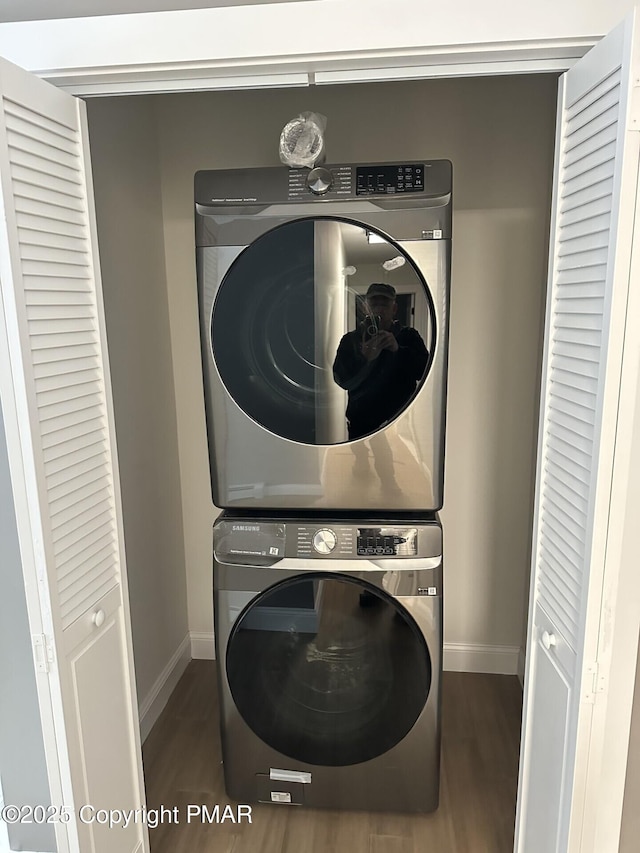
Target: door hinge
<point>42,652</point>
<point>594,682</point>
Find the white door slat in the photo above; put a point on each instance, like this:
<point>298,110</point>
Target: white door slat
<point>590,182</point>
<point>586,212</point>
<point>57,216</point>
<point>92,554</point>
<point>561,377</point>
<point>566,605</point>
<point>574,467</point>
<point>583,352</point>
<point>572,546</point>
<point>47,167</point>
<point>564,576</point>
<point>571,521</point>
<point>82,454</point>
<point>593,225</point>
<point>77,483</point>
<point>581,444</point>
<point>33,122</point>
<point>99,509</point>
<point>581,276</point>
<point>75,586</point>
<point>71,243</point>
<point>47,226</point>
<point>589,246</point>
<point>60,257</point>
<point>74,405</point>
<point>560,389</point>
<point>589,164</point>
<point>74,610</point>
<point>61,341</point>
<point>559,418</point>
<point>571,560</point>
<point>32,176</point>
<point>581,368</point>
<point>58,271</point>
<point>66,550</point>
<point>571,319</point>
<point>75,468</point>
<point>573,335</point>
<point>58,203</point>
<point>593,104</point>
<point>58,439</point>
<point>29,145</point>
<point>589,193</point>
<point>588,140</point>
<point>96,566</point>
<point>66,311</point>
<point>66,360</point>
<point>57,325</point>
<point>567,409</point>
<point>69,445</point>
<point>568,499</point>
<point>55,428</point>
<point>570,257</point>
<point>52,297</point>
<point>65,509</point>
<point>66,379</point>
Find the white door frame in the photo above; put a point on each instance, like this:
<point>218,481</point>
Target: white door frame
<point>104,56</point>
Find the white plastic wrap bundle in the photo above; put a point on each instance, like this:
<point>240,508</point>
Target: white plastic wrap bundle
<point>302,141</point>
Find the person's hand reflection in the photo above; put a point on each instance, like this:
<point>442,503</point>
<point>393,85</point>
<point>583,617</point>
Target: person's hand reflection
<point>382,340</point>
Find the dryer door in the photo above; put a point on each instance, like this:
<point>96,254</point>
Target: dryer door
<point>327,670</point>
<point>300,346</point>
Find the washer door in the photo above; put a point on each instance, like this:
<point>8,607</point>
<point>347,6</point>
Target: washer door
<point>290,321</point>
<point>327,670</point>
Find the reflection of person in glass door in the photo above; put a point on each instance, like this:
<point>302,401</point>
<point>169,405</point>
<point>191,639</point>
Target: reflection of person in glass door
<point>379,364</point>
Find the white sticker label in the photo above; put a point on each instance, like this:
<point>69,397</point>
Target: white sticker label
<point>274,551</point>
<point>432,590</point>
<point>280,797</point>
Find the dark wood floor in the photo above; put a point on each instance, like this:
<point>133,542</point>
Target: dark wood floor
<point>480,743</point>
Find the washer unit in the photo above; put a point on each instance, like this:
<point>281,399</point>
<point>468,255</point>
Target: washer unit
<point>329,650</point>
<point>285,258</point>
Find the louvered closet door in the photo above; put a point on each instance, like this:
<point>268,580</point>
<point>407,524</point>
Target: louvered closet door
<point>589,273</point>
<point>57,406</point>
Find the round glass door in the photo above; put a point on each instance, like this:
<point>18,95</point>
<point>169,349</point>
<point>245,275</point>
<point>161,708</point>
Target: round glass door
<point>322,331</point>
<point>328,671</point>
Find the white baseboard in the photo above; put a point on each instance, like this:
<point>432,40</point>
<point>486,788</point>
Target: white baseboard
<point>155,700</point>
<point>521,665</point>
<point>203,645</point>
<point>472,657</point>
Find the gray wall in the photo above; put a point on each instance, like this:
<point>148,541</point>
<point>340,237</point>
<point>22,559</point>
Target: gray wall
<point>23,771</point>
<point>499,133</point>
<point>131,243</point>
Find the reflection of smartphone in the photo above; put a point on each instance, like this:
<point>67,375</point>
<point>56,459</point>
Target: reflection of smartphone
<point>371,326</point>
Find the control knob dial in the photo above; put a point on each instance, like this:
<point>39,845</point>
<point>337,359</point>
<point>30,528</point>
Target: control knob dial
<point>324,541</point>
<point>319,180</point>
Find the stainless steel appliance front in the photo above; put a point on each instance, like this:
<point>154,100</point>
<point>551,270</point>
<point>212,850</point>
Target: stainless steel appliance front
<point>329,666</point>
<point>313,399</point>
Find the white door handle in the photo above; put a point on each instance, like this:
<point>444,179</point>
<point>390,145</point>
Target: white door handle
<point>98,618</point>
<point>548,639</point>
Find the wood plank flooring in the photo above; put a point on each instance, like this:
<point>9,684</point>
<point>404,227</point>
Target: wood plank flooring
<point>480,743</point>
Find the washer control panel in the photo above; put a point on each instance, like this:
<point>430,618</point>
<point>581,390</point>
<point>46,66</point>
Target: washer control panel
<point>265,542</point>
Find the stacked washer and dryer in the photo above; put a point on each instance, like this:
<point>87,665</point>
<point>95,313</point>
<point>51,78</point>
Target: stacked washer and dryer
<point>328,554</point>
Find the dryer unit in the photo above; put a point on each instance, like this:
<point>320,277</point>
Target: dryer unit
<point>323,391</point>
<point>329,653</point>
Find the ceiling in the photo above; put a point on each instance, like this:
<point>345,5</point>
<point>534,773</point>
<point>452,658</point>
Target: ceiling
<point>35,10</point>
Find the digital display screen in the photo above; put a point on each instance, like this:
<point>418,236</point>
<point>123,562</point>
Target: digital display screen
<point>389,180</point>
